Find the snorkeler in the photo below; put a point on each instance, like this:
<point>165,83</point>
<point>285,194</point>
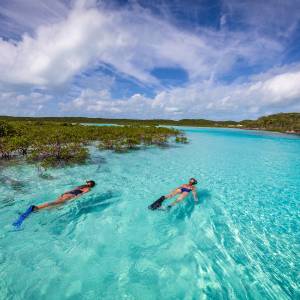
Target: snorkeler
<point>182,191</point>
<point>78,191</point>
<point>67,196</point>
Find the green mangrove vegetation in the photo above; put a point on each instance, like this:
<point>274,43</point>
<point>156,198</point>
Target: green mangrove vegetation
<point>56,143</point>
<point>282,122</point>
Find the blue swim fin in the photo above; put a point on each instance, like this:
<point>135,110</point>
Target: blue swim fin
<point>23,216</point>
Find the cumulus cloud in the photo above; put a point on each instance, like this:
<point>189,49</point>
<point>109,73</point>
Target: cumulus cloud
<point>17,103</point>
<point>274,93</point>
<point>283,87</point>
<point>100,102</point>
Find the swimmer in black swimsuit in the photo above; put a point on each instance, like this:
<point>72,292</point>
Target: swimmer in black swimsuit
<point>183,190</point>
<point>78,191</point>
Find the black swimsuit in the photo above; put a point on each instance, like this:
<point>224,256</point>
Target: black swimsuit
<point>76,192</point>
<point>183,189</point>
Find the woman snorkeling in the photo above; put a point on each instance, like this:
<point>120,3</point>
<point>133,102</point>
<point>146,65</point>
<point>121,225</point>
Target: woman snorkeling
<point>67,196</point>
<point>183,191</point>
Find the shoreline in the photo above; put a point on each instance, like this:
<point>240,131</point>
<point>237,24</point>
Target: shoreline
<point>287,123</point>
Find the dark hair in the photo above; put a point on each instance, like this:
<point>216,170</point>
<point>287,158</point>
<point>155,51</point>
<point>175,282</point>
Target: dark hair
<point>194,181</point>
<point>92,182</point>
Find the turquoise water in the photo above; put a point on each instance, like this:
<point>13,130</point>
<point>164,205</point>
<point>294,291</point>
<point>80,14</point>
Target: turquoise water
<point>240,242</point>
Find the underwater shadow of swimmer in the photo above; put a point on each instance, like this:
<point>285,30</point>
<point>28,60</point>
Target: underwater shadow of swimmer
<point>96,204</point>
<point>187,208</point>
<point>9,201</point>
<point>46,176</point>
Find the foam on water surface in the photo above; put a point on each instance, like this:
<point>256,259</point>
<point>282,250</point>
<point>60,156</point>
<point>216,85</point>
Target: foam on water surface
<point>240,242</point>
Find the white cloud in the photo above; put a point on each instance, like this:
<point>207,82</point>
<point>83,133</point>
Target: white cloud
<point>133,42</point>
<point>236,101</point>
<point>278,19</point>
<point>283,87</point>
<point>93,102</point>
<point>16,103</point>
<point>18,17</point>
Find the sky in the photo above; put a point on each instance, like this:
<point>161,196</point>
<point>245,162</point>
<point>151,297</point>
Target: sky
<point>213,59</point>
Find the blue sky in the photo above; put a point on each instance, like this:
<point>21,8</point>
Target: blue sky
<point>225,59</point>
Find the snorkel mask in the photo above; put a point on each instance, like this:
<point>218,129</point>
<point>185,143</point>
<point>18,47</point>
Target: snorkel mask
<point>194,181</point>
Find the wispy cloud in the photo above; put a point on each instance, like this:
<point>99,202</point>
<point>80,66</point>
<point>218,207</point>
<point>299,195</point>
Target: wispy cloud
<point>18,17</point>
<point>132,42</point>
<point>278,19</point>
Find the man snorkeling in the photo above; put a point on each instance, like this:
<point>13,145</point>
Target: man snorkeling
<point>183,191</point>
<point>67,196</point>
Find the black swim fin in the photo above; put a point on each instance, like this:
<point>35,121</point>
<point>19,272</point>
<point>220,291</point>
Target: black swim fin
<point>157,204</point>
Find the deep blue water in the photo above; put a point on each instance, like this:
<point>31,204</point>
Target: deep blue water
<point>240,242</point>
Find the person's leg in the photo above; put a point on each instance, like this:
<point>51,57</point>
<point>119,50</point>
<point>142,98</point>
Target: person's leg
<point>157,204</point>
<point>58,201</point>
<point>173,193</point>
<point>179,199</point>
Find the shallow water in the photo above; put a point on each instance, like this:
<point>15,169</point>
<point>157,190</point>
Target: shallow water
<point>240,242</point>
